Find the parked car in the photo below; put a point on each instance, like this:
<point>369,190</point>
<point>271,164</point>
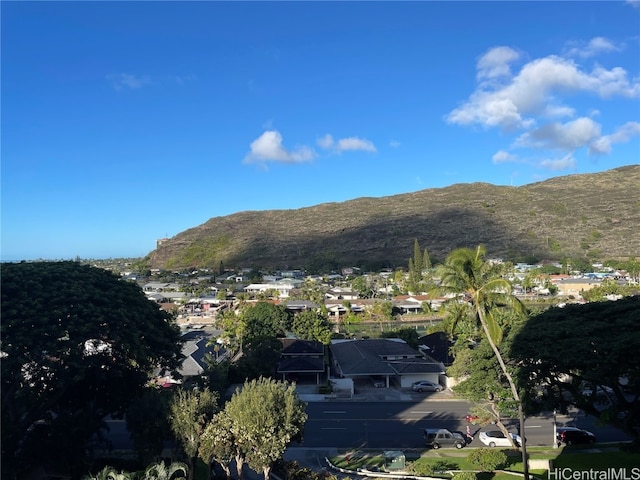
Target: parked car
<point>573,435</point>
<point>602,392</point>
<point>426,386</point>
<point>441,437</point>
<point>378,382</point>
<point>475,419</point>
<point>495,438</point>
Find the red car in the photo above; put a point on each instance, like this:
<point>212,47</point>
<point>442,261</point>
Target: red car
<point>474,420</point>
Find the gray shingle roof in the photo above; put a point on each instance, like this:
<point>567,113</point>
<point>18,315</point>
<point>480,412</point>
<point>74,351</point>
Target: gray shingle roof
<point>383,356</point>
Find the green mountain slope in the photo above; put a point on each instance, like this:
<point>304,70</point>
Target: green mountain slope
<point>593,215</point>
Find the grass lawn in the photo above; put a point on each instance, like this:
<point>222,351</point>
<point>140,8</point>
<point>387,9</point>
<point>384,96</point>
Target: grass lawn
<point>573,458</point>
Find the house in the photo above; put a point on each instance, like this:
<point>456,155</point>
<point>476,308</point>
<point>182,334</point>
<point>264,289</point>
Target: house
<point>408,305</point>
<point>575,286</point>
<point>337,308</point>
<point>194,350</point>
<point>339,293</point>
<point>301,358</point>
<point>283,287</point>
<point>300,305</point>
<point>390,358</point>
<point>160,287</point>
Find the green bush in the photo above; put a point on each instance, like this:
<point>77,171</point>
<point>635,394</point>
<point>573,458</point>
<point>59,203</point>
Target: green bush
<point>420,469</point>
<point>487,459</point>
<point>465,476</point>
<point>324,389</point>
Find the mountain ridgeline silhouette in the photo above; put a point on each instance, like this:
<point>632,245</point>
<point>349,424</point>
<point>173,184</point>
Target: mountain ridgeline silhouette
<point>583,215</point>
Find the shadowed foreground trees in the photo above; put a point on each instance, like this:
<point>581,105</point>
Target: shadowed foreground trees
<point>257,425</point>
<point>190,412</point>
<point>564,354</point>
<point>78,344</point>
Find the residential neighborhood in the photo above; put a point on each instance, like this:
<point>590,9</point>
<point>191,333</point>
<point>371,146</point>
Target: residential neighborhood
<point>412,336</point>
<point>199,299</point>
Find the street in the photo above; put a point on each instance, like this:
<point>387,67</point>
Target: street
<point>399,425</point>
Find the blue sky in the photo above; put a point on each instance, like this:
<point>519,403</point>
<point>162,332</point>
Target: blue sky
<point>126,122</point>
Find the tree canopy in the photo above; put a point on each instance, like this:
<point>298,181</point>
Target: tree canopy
<point>266,416</point>
<point>564,353</point>
<point>77,344</point>
<point>312,325</point>
<point>190,412</point>
<point>264,319</point>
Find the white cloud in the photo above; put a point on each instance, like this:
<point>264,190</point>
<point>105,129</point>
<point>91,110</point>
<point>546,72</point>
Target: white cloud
<point>394,143</point>
<point>563,163</point>
<point>594,47</point>
<point>634,3</point>
<point>535,90</point>
<point>268,148</point>
<point>355,143</point>
<point>325,142</point>
<point>534,100</point>
<point>503,157</point>
<point>558,136</point>
<point>351,143</point>
<point>495,63</point>
<point>120,81</point>
<point>626,132</point>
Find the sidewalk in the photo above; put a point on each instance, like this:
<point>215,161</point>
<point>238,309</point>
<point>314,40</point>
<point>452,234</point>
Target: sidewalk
<point>308,393</point>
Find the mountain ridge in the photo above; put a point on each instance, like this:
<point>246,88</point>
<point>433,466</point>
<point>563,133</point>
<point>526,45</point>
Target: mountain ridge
<point>587,215</point>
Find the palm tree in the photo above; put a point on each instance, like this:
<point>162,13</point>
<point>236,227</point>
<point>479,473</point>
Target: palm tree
<point>108,473</point>
<point>466,272</point>
<point>160,471</point>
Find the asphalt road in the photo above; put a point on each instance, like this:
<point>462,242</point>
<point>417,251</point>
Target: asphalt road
<point>391,425</point>
<point>399,425</point>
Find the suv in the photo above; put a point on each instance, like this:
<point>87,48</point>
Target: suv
<point>441,437</point>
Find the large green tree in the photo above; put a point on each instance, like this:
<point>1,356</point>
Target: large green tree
<point>190,412</point>
<point>312,325</point>
<point>78,344</point>
<point>266,416</point>
<point>564,353</point>
<point>479,282</point>
<point>264,319</point>
<point>258,359</point>
<point>482,382</point>
<point>218,444</point>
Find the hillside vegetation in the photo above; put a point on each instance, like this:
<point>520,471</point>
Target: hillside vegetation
<point>584,215</point>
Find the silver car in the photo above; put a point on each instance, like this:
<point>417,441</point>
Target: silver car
<point>426,386</point>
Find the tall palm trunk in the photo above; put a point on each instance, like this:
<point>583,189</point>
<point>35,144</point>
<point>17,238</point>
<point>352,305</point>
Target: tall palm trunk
<point>514,392</point>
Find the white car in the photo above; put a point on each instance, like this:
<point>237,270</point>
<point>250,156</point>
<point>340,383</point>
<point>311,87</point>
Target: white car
<point>495,438</point>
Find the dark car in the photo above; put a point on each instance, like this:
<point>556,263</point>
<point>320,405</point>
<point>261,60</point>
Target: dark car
<point>441,437</point>
<point>571,436</point>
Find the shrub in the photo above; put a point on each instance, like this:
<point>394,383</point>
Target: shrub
<point>465,476</point>
<point>420,469</point>
<point>487,459</point>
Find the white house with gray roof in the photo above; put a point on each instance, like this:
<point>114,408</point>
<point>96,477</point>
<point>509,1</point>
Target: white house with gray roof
<point>391,358</point>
